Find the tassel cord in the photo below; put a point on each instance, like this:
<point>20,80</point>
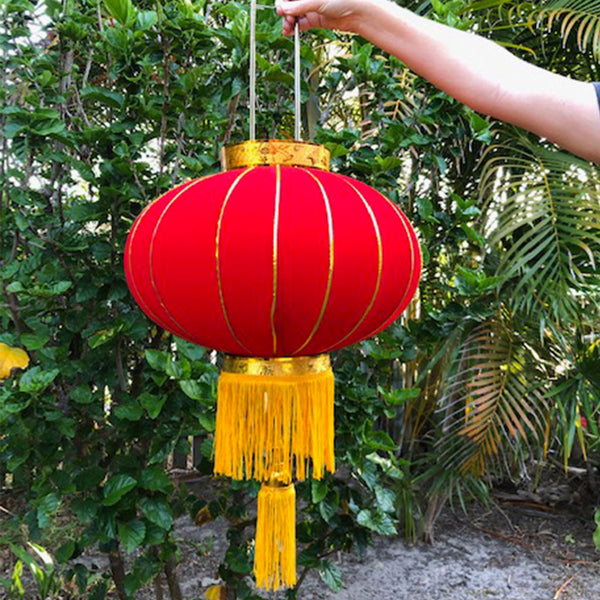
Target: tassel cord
<point>275,541</point>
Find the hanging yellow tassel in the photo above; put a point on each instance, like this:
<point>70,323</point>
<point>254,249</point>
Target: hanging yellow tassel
<point>274,415</point>
<point>275,418</point>
<point>275,543</point>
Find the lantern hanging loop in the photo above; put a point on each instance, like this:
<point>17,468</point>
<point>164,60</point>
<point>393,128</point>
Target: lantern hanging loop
<point>297,99</point>
<point>297,120</point>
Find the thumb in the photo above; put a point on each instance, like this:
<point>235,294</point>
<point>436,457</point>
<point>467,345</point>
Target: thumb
<point>298,8</point>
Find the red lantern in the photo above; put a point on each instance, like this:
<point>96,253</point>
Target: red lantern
<point>280,259</point>
<point>273,261</point>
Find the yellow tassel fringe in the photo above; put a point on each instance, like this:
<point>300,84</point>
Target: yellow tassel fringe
<point>275,545</point>
<point>268,425</point>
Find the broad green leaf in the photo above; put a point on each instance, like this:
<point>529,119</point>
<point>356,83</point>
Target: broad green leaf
<point>207,421</point>
<point>36,380</point>
<point>399,396</point>
<point>85,509</point>
<point>152,404</point>
<point>597,530</point>
<point>60,287</point>
<point>46,508</point>
<point>328,507</point>
<point>157,511</point>
<point>100,338</point>
<point>123,11</point>
<point>155,479</point>
<point>238,560</point>
<point>331,575</point>
<point>319,490</point>
<point>380,440</point>
<point>131,411</point>
<point>191,351</point>
<point>107,97</point>
<point>192,389</point>
<point>386,500</point>
<point>116,487</point>
<point>34,341</point>
<point>379,522</point>
<point>132,534</point>
<point>179,369</point>
<point>66,551</point>
<point>82,395</point>
<point>157,359</point>
<point>146,19</point>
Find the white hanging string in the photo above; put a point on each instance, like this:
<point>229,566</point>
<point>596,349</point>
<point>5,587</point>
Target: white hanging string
<point>297,104</point>
<point>297,89</point>
<point>252,69</point>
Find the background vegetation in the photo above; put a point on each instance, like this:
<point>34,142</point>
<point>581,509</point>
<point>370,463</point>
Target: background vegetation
<point>491,375</point>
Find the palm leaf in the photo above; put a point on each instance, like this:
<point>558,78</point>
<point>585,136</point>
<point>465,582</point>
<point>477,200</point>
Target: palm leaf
<point>577,17</point>
<point>490,404</point>
<point>541,213</point>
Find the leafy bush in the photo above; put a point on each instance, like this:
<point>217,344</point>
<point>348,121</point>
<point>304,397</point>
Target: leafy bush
<point>104,107</point>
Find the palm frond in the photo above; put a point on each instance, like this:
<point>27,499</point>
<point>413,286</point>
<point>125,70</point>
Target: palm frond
<point>490,404</point>
<point>541,212</point>
<point>576,17</point>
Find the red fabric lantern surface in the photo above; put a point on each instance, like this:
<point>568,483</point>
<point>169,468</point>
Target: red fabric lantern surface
<point>273,261</point>
<point>275,265</point>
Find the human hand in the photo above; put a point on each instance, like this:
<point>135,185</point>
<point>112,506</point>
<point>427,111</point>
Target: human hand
<point>328,14</point>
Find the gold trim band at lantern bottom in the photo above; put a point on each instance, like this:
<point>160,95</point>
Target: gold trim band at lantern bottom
<point>254,153</point>
<point>286,366</point>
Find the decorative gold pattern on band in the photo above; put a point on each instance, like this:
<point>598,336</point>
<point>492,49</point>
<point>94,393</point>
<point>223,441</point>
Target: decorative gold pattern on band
<point>286,366</point>
<point>151,250</point>
<point>330,271</point>
<point>275,252</point>
<point>217,256</point>
<point>254,153</point>
<point>379,264</point>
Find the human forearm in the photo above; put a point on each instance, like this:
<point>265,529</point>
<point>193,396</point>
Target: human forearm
<point>466,66</point>
<point>487,77</point>
<point>470,68</point>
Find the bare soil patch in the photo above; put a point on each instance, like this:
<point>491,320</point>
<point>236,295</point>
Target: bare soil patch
<point>518,550</point>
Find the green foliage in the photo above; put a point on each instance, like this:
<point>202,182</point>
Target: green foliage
<point>48,582</point>
<point>596,536</point>
<point>577,17</point>
<point>106,106</point>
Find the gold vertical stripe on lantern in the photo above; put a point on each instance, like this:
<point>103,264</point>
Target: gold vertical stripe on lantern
<point>275,541</point>
<point>274,416</point>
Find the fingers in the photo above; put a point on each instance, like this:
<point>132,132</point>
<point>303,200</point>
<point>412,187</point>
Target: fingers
<point>296,11</point>
<point>288,25</point>
<point>304,24</point>
<point>297,8</point>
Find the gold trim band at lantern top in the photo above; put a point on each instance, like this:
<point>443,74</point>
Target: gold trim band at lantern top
<point>254,153</point>
<point>286,366</point>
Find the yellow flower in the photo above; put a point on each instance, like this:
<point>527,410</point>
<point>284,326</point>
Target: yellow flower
<point>11,358</point>
<point>215,592</point>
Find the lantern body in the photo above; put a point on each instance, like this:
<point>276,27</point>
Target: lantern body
<point>275,265</point>
<point>273,261</point>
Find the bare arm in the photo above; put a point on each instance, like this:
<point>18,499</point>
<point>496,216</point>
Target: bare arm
<point>470,68</point>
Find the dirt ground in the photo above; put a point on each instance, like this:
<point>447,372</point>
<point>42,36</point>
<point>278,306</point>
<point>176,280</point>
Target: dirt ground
<point>519,550</point>
<point>522,548</point>
<point>533,557</point>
